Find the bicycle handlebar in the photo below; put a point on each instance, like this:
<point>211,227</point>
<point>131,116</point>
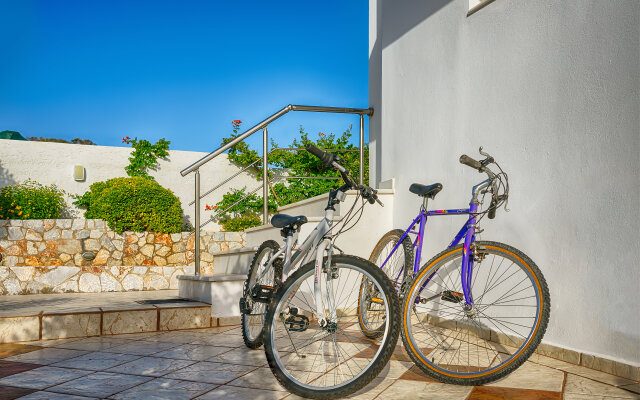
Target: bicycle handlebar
<point>326,158</point>
<point>466,160</point>
<point>329,161</point>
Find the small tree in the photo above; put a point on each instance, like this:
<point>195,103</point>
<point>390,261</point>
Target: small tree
<point>299,163</point>
<point>144,156</point>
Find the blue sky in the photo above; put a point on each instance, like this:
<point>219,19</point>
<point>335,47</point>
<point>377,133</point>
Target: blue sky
<point>182,70</point>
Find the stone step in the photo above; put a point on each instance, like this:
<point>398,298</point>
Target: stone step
<point>222,291</point>
<point>58,316</point>
<point>234,261</point>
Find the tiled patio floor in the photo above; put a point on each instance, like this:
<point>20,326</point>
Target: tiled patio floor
<point>213,363</point>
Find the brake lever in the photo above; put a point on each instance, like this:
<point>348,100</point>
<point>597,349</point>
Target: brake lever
<point>488,158</point>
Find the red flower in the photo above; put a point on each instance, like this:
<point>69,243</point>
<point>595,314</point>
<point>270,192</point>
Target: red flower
<point>207,207</point>
<point>126,139</point>
<point>320,133</point>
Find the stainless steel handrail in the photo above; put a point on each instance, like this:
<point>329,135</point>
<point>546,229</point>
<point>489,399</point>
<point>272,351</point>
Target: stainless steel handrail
<point>273,117</point>
<point>195,167</point>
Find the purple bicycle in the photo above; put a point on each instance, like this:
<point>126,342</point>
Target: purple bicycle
<point>477,310</point>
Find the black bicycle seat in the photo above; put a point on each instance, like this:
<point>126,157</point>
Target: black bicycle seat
<point>429,191</point>
<point>283,220</point>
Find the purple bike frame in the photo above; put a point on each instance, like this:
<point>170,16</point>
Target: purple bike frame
<point>467,231</point>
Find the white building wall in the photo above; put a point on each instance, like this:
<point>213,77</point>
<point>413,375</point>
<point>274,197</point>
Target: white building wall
<point>49,163</point>
<point>552,90</point>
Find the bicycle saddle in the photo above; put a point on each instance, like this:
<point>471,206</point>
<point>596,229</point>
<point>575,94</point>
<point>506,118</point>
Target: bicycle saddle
<point>282,220</point>
<point>429,191</point>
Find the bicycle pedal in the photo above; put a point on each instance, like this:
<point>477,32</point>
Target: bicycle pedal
<point>262,293</point>
<point>454,297</point>
<point>245,308</point>
<point>297,323</point>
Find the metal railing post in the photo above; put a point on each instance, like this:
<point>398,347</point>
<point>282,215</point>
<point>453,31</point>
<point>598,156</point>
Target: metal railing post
<point>265,189</point>
<point>197,225</point>
<point>361,149</point>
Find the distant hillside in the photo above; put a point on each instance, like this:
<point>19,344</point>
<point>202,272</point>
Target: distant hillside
<point>73,141</point>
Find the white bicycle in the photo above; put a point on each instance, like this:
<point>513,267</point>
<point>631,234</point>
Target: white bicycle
<point>312,323</point>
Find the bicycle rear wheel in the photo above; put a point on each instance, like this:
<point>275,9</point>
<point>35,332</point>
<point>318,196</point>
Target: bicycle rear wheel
<point>398,268</point>
<point>459,344</point>
<point>253,317</point>
<point>336,359</point>
<point>399,265</point>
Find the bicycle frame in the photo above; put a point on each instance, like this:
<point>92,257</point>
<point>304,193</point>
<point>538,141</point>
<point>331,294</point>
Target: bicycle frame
<point>468,232</point>
<point>318,241</point>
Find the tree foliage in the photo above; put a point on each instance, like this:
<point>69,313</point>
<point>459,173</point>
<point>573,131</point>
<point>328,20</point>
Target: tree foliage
<point>295,163</point>
<point>144,156</point>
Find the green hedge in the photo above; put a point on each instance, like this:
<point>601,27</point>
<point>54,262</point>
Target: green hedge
<point>133,204</point>
<point>31,200</point>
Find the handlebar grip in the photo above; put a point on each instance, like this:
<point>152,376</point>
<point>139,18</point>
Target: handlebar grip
<point>466,160</point>
<point>325,157</point>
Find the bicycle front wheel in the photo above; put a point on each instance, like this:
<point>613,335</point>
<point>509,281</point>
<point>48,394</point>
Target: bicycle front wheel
<point>335,359</point>
<point>472,344</point>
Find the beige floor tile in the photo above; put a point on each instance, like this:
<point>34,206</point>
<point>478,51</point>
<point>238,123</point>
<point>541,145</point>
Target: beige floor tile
<point>242,356</point>
<point>261,378</point>
<point>533,376</point>
<point>242,393</point>
<point>150,366</point>
<point>550,362</point>
<point>579,385</point>
<point>634,388</point>
<point>193,352</point>
<point>598,376</point>
<point>211,372</point>
<point>93,343</point>
<point>425,390</point>
<point>142,348</point>
<point>225,339</point>
<point>393,369</point>
<point>369,392</point>
<point>162,388</point>
<point>573,396</point>
<point>46,356</point>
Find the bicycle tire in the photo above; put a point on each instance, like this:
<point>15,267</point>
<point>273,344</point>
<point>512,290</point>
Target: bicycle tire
<point>504,351</point>
<point>398,268</point>
<point>278,351</point>
<point>252,336</point>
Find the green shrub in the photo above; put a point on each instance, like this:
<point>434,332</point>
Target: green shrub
<point>31,200</point>
<point>238,224</point>
<point>133,204</point>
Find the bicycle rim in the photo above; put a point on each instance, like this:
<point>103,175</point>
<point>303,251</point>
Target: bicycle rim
<point>468,346</point>
<point>399,263</point>
<point>253,324</point>
<point>317,360</point>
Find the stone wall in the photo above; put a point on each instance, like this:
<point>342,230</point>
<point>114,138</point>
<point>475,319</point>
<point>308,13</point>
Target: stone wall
<point>78,255</point>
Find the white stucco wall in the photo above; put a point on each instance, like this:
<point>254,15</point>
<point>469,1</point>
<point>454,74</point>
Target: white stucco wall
<point>552,90</point>
<point>49,163</point>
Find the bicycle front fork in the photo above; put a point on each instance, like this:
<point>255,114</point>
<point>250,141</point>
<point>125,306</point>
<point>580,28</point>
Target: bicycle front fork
<point>317,286</point>
<point>467,258</point>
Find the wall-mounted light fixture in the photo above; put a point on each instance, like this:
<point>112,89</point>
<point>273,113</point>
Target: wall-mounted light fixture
<point>79,173</point>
